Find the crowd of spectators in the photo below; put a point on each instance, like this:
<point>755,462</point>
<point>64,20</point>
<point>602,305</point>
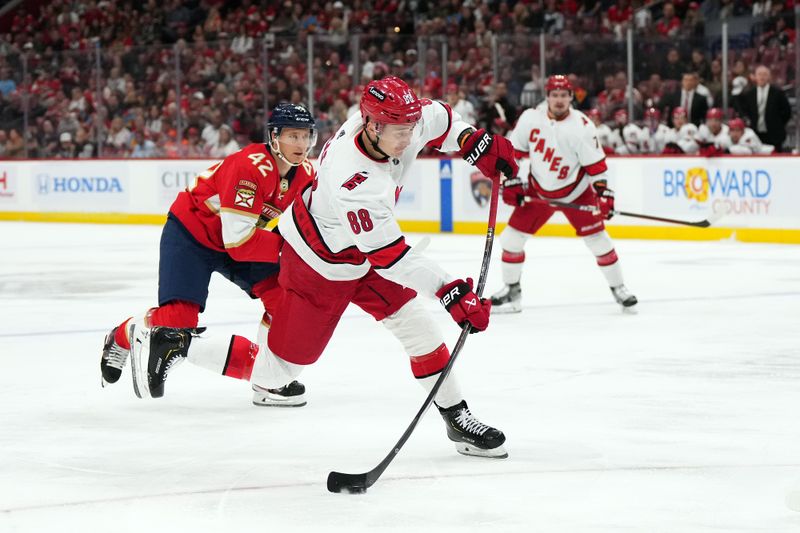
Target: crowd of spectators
<point>186,78</point>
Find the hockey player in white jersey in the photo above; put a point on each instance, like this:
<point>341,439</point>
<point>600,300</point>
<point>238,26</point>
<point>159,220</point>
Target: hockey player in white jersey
<point>680,139</point>
<point>604,133</point>
<point>654,132</point>
<point>343,244</point>
<point>566,164</point>
<point>743,140</point>
<point>713,135</point>
<point>626,137</point>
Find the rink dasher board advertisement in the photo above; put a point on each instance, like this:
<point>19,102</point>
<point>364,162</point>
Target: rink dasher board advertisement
<point>446,194</point>
<point>148,187</point>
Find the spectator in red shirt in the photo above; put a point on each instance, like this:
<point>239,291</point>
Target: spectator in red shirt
<point>670,24</point>
<point>620,12</point>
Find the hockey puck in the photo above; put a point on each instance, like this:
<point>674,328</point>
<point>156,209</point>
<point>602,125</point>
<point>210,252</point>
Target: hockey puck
<point>355,490</point>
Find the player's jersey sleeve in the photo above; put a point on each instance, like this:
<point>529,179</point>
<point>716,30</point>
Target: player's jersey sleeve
<point>703,135</point>
<point>441,126</point>
<point>521,133</point>
<point>591,156</point>
<point>751,139</point>
<point>241,186</point>
<point>366,211</point>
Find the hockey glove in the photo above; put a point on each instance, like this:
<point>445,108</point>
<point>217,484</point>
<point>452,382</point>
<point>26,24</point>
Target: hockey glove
<point>605,198</point>
<point>464,305</point>
<point>513,192</point>
<point>492,154</point>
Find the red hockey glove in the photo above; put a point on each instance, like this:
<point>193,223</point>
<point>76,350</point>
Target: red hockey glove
<point>492,154</point>
<point>464,305</point>
<point>513,192</point>
<point>605,198</point>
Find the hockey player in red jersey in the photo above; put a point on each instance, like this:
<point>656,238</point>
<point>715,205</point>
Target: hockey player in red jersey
<point>219,225</point>
<point>567,164</point>
<point>343,244</point>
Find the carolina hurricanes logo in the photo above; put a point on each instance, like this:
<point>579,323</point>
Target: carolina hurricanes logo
<point>354,182</point>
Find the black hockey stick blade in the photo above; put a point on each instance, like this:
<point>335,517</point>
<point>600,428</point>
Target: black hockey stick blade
<point>350,483</point>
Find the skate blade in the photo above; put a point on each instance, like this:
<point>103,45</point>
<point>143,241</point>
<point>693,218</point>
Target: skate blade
<point>468,449</point>
<point>275,400</point>
<point>139,371</point>
<point>630,310</point>
<point>507,309</point>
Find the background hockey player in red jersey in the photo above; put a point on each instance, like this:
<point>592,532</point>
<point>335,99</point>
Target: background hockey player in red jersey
<point>567,163</point>
<point>343,244</point>
<point>219,226</point>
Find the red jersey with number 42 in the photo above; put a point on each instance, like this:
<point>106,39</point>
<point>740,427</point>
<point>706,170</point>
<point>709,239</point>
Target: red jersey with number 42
<point>231,203</point>
<point>561,152</point>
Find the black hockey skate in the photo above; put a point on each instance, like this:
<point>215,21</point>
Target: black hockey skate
<point>112,360</point>
<point>291,395</point>
<point>470,435</point>
<point>155,351</point>
<point>624,298</point>
<point>508,299</point>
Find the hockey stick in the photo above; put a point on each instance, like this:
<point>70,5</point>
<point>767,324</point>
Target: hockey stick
<point>590,208</point>
<point>358,483</point>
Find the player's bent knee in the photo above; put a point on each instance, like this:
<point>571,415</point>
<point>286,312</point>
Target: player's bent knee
<point>414,328</point>
<point>513,240</point>
<point>599,243</point>
<point>272,372</point>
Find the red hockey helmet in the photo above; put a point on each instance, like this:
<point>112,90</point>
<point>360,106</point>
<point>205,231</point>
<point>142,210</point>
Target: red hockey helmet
<point>558,81</point>
<point>736,124</point>
<point>594,113</point>
<point>390,101</point>
<point>714,112</point>
<point>652,113</point>
<point>679,112</point>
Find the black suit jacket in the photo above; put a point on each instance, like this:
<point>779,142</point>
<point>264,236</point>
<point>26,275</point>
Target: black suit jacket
<point>776,115</point>
<point>697,114</point>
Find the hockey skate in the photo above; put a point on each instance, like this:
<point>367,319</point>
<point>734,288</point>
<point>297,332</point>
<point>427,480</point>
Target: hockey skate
<point>624,298</point>
<point>291,395</point>
<point>507,300</point>
<point>470,436</point>
<point>113,359</point>
<point>154,352</point>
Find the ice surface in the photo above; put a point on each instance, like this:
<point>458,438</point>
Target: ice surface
<point>682,418</point>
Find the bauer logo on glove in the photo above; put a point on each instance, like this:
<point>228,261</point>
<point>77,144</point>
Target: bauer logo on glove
<point>491,154</point>
<point>464,305</point>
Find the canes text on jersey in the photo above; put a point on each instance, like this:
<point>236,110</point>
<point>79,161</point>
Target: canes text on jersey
<point>538,145</point>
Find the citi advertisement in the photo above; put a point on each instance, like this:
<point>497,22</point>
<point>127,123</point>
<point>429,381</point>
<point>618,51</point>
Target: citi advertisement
<point>174,177</point>
<point>743,189</point>
<point>80,187</point>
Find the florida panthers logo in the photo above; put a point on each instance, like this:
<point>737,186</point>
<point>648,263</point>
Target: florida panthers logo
<point>481,188</point>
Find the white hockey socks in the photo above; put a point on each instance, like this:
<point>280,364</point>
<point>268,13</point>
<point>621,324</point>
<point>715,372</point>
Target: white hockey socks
<point>513,243</point>
<point>603,249</point>
<point>209,353</point>
<point>422,340</point>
